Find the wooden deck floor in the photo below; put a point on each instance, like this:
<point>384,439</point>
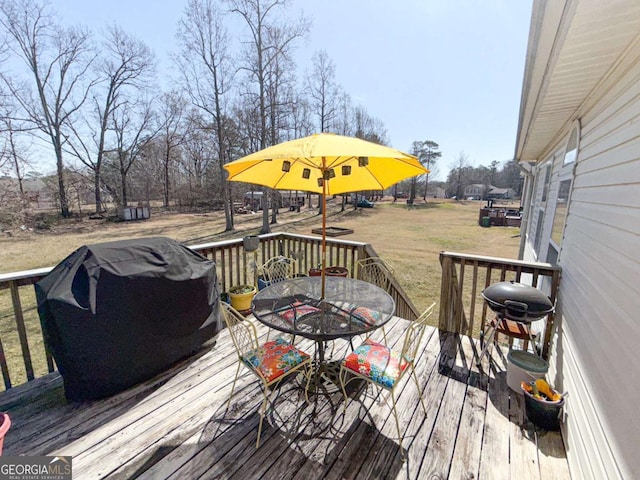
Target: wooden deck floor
<point>175,425</point>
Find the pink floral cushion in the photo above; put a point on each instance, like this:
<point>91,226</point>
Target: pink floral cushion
<point>377,362</point>
<point>274,359</point>
<point>368,316</point>
<point>296,310</point>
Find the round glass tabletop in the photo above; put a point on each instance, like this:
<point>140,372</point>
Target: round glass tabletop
<point>350,307</point>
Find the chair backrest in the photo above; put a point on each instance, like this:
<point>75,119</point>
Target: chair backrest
<point>376,271</point>
<point>415,331</point>
<point>243,332</point>
<point>277,269</point>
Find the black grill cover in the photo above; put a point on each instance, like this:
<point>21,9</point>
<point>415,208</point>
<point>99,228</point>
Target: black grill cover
<point>114,314</point>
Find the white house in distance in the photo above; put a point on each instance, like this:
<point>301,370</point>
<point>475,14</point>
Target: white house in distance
<point>579,138</point>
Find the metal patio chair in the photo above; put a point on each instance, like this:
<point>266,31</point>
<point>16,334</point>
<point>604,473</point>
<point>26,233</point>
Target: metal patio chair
<point>277,269</point>
<point>378,272</point>
<point>384,368</point>
<point>271,362</point>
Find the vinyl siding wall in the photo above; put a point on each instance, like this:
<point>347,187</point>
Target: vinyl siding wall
<point>596,351</point>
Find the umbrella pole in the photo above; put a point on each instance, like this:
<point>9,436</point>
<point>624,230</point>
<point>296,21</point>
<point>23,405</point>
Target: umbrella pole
<point>324,228</point>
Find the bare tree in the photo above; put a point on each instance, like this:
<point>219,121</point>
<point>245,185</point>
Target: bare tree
<point>344,124</point>
<point>206,72</point>
<point>132,125</point>
<point>459,175</point>
<point>300,122</point>
<point>14,154</point>
<point>261,16</point>
<point>123,71</point>
<point>280,84</point>
<point>368,128</point>
<point>199,152</point>
<point>172,133</point>
<point>58,60</point>
<point>324,91</point>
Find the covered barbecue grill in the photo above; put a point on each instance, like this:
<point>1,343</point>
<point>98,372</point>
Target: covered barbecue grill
<point>115,314</point>
<point>517,301</point>
<point>514,302</point>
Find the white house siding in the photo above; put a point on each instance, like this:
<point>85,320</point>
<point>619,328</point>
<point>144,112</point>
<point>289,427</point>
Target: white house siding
<point>596,351</point>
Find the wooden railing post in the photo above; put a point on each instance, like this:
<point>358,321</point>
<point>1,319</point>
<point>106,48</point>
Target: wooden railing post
<point>22,331</point>
<point>446,313</point>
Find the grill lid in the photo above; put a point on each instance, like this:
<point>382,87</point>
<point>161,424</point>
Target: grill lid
<point>517,300</point>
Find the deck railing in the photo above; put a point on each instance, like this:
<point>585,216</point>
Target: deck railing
<point>23,355</point>
<point>462,308</point>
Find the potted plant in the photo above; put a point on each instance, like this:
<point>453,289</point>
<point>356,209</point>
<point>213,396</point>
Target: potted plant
<point>329,272</point>
<point>241,296</point>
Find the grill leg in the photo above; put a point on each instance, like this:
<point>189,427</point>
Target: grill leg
<point>488,340</point>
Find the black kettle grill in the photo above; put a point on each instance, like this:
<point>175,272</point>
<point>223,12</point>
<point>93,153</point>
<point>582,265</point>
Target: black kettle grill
<point>517,301</point>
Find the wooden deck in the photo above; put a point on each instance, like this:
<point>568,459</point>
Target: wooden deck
<point>175,425</point>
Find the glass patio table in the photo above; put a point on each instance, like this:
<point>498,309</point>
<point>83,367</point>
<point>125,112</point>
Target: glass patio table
<point>351,307</point>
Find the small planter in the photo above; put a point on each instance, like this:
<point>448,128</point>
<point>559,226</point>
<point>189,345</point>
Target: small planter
<point>251,243</point>
<point>542,412</point>
<point>241,296</point>
<point>329,272</point>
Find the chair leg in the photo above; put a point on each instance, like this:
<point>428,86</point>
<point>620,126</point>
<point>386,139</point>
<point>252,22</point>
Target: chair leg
<point>395,415</point>
<point>342,377</point>
<point>262,412</point>
<point>309,370</point>
<point>415,379</point>
<point>233,387</point>
<point>333,348</point>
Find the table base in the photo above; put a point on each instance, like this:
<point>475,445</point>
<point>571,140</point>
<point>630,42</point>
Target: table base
<point>324,378</point>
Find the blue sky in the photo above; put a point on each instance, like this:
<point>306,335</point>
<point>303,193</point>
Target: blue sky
<point>449,71</point>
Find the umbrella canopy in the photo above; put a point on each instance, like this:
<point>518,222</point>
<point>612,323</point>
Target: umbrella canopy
<point>349,164</point>
<point>327,164</point>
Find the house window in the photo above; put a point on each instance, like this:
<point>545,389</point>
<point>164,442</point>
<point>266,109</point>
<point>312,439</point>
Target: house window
<point>571,152</point>
<point>547,181</point>
<point>560,215</point>
<point>539,225</point>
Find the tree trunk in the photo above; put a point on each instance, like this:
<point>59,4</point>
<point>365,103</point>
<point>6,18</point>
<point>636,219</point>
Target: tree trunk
<point>64,203</point>
<point>166,180</point>
<point>123,186</point>
<point>265,211</point>
<point>96,188</point>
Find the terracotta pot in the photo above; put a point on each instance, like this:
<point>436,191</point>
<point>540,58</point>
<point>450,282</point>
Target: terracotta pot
<point>329,272</point>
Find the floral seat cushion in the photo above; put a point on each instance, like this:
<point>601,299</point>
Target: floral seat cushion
<point>274,359</point>
<point>297,310</point>
<point>377,362</point>
<point>367,316</point>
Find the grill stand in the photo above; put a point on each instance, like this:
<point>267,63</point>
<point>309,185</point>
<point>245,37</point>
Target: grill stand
<point>505,326</point>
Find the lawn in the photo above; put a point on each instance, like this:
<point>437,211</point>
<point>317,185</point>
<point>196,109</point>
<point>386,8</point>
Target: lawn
<point>410,239</point>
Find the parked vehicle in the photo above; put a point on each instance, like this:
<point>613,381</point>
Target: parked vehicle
<point>364,203</point>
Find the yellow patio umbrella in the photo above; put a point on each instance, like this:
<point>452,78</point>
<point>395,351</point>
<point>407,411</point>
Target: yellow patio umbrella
<point>327,164</point>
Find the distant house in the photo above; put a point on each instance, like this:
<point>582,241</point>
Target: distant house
<point>503,193</point>
<point>436,192</point>
<point>579,139</point>
<point>36,192</point>
<point>476,191</point>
